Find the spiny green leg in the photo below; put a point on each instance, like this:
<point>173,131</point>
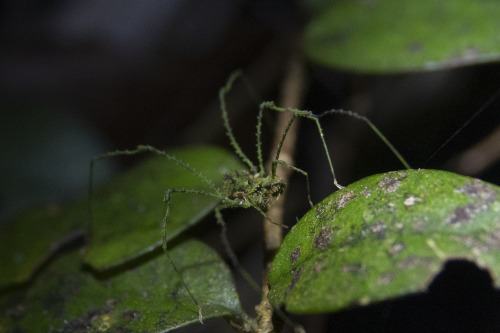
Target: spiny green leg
<point>151,149</point>
<point>267,217</point>
<point>144,148</point>
<point>308,115</point>
<point>222,97</point>
<point>229,250</point>
<point>259,141</point>
<point>138,150</point>
<point>305,174</point>
<point>373,127</point>
<point>280,145</point>
<point>277,161</point>
<point>229,131</point>
<point>315,118</point>
<point>164,246</point>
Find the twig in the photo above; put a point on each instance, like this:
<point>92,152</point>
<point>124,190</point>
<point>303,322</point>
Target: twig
<point>479,157</point>
<point>291,96</point>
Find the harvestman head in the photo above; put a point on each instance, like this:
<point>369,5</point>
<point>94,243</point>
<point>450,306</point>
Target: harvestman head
<point>253,187</point>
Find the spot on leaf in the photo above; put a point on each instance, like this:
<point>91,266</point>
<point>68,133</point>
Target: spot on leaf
<point>355,268</point>
<point>389,184</point>
<point>395,249</point>
<point>385,278</point>
<point>345,198</point>
<point>411,201</point>
<point>480,190</point>
<point>483,196</point>
<point>323,238</point>
<point>378,229</point>
<point>294,255</point>
<point>296,277</point>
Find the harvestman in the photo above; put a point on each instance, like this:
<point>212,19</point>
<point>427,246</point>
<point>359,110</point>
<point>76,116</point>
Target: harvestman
<point>253,187</point>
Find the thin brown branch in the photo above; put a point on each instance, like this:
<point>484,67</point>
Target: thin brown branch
<point>479,157</point>
<point>291,96</point>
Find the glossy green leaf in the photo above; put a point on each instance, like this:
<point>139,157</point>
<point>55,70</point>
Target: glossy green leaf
<point>385,236</point>
<point>388,36</point>
<point>148,298</point>
<point>128,213</point>
<point>27,241</point>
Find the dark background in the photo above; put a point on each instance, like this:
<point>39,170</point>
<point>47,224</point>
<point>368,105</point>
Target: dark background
<point>78,78</point>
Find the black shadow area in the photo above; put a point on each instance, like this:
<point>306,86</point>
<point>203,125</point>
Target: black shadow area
<point>461,298</point>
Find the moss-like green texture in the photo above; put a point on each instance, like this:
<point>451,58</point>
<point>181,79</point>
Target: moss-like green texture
<point>385,236</point>
<point>148,298</point>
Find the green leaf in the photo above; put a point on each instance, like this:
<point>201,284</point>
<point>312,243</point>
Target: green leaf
<point>27,241</point>
<point>148,298</point>
<point>389,36</point>
<point>385,236</point>
<point>128,213</point>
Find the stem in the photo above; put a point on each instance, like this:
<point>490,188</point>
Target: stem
<point>291,96</point>
<point>478,157</point>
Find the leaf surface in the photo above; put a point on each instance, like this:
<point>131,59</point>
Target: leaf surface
<point>127,214</point>
<point>385,236</point>
<point>28,240</point>
<point>147,298</point>
<point>391,36</point>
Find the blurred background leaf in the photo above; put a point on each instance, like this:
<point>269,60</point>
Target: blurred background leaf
<point>391,36</point>
<point>31,239</point>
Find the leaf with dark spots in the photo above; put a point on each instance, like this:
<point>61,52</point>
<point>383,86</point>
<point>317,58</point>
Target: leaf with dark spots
<point>481,193</point>
<point>390,239</point>
<point>148,298</point>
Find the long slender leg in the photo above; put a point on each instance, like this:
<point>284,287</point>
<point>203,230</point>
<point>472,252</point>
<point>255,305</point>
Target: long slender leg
<point>373,127</point>
<point>151,149</point>
<point>305,174</point>
<point>164,246</point>
<point>309,115</point>
<point>167,211</point>
<point>235,262</point>
<point>229,131</point>
<point>141,149</point>
<point>315,118</point>
<point>280,145</point>
<point>277,161</point>
<point>259,141</point>
<point>267,217</point>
